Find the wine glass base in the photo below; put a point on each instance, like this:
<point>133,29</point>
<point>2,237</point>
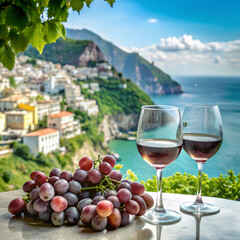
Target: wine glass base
<point>199,209</point>
<point>168,217</point>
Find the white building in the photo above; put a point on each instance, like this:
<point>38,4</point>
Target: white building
<point>45,141</point>
<point>89,106</point>
<point>47,107</point>
<point>65,124</point>
<point>55,85</point>
<point>73,95</point>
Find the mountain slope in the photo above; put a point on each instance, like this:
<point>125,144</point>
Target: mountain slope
<point>68,51</point>
<point>147,76</point>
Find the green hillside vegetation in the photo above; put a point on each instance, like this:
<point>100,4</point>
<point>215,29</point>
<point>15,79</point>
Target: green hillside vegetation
<point>112,99</point>
<point>63,51</point>
<point>124,62</point>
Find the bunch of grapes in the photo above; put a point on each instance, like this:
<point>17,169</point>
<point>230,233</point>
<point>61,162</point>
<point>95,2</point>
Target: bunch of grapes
<point>95,194</point>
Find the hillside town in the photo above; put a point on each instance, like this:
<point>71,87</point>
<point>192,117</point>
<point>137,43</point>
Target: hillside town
<point>33,92</point>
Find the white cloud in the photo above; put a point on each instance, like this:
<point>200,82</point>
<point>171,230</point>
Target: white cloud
<point>152,20</point>
<point>186,55</point>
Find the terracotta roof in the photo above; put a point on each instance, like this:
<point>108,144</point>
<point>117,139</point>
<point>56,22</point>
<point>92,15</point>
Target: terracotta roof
<point>61,114</point>
<point>41,132</point>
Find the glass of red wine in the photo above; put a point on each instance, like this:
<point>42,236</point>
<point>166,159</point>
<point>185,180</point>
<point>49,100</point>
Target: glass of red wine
<point>159,141</point>
<point>202,138</point>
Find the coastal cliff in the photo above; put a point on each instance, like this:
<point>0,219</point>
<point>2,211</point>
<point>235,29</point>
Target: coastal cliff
<point>114,126</point>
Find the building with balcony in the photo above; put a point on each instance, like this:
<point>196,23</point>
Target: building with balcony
<point>47,107</point>
<point>65,124</point>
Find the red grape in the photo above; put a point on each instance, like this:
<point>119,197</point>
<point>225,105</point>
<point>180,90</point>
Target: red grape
<point>115,175</point>
<point>40,206</point>
<point>71,198</point>
<point>88,213</point>
<point>59,204</point>
<point>104,208</point>
<point>30,209</point>
<point>124,218</point>
<point>46,192</point>
<point>148,200</point>
<point>58,218</point>
<point>94,176</point>
<point>45,216</point>
<point>53,179</point>
<point>34,194</point>
<point>61,186</point>
<point>55,172</point>
<point>105,168</point>
<point>66,175</point>
<point>124,195</point>
<point>40,178</point>
<point>124,185</point>
<point>115,201</point>
<point>99,223</point>
<point>110,193</point>
<point>83,203</point>
<point>110,159</point>
<point>114,219</point>
<point>137,188</point>
<point>72,215</point>
<point>16,206</point>
<point>74,187</point>
<point>80,176</point>
<point>141,203</point>
<point>86,163</point>
<point>28,186</point>
<point>127,181</point>
<point>97,199</point>
<point>132,207</point>
<point>33,174</point>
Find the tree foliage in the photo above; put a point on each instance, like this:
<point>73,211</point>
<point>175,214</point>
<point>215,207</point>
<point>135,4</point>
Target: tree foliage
<point>35,22</point>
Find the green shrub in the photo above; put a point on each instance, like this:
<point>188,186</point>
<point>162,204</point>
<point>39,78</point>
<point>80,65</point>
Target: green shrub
<point>227,186</point>
<point>23,151</point>
<point>7,175</point>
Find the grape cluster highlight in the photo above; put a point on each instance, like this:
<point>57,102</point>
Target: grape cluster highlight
<point>95,195</point>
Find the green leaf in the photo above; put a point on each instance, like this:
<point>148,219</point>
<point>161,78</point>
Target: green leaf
<point>77,5</point>
<point>3,31</point>
<point>16,17</point>
<point>111,2</point>
<point>35,36</point>
<point>88,2</point>
<point>19,42</point>
<point>7,57</point>
<point>53,30</point>
<point>2,17</point>
<point>57,12</point>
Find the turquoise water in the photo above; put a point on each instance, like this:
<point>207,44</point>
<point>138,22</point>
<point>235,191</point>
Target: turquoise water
<point>223,91</point>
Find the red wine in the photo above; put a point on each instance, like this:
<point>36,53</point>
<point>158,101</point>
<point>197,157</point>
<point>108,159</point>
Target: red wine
<point>159,152</point>
<point>201,147</point>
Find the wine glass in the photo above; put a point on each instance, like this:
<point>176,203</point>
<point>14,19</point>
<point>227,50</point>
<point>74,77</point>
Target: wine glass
<point>202,138</point>
<point>159,141</point>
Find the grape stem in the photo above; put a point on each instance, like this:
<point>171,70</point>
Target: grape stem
<point>108,186</point>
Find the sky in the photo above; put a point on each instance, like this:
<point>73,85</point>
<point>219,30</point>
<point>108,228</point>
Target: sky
<point>182,37</point>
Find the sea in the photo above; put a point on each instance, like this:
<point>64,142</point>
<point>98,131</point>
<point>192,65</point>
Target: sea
<point>223,91</point>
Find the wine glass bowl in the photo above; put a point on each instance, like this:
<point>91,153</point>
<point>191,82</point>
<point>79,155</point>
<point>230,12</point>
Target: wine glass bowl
<point>202,138</point>
<point>159,141</point>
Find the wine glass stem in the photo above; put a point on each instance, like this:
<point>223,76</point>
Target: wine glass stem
<point>159,202</point>
<point>199,185</point>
